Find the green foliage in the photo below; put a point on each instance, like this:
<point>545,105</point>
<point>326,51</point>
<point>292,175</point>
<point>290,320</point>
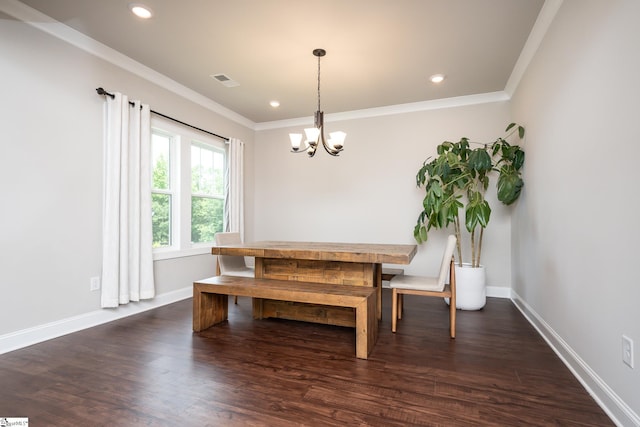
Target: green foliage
<point>206,218</point>
<point>161,205</point>
<point>459,172</point>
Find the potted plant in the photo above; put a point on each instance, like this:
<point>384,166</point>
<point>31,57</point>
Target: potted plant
<point>460,172</point>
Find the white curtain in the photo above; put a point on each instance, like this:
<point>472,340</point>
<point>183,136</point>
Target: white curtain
<point>234,203</point>
<point>127,257</point>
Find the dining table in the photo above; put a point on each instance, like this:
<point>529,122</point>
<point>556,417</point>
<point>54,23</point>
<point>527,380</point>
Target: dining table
<point>349,264</point>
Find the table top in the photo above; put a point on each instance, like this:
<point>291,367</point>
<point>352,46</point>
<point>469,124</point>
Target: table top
<point>323,251</point>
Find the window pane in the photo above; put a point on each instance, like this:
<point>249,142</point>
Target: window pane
<point>199,170</point>
<point>218,172</point>
<point>207,167</point>
<point>160,145</point>
<point>206,218</point>
<point>161,219</point>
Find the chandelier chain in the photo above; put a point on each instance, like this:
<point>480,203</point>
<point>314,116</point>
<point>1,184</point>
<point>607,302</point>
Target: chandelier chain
<point>318,83</point>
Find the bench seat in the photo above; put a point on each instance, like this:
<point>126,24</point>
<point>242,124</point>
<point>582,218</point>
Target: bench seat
<point>211,305</point>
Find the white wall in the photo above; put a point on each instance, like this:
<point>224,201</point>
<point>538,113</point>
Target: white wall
<point>51,155</point>
<point>576,232</point>
<point>369,193</point>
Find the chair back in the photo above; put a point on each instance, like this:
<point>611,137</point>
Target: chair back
<point>229,263</point>
<point>446,259</point>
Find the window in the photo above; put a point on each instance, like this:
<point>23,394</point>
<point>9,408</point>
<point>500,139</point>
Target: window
<point>207,192</point>
<point>161,188</point>
<point>188,189</point>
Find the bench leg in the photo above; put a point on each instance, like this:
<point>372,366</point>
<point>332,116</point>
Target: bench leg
<point>378,284</point>
<point>366,327</point>
<point>394,309</point>
<point>208,309</point>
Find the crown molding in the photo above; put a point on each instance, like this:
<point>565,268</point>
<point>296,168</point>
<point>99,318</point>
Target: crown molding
<point>540,27</point>
<point>412,107</point>
<point>63,32</point>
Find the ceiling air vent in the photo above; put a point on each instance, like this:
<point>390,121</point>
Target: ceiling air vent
<point>225,80</point>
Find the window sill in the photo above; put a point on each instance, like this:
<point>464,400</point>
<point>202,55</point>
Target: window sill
<point>162,254</point>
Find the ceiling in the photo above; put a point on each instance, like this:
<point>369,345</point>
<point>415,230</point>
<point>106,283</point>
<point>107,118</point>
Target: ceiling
<point>379,52</point>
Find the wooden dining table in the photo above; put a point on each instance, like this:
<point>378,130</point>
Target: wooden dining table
<point>355,264</point>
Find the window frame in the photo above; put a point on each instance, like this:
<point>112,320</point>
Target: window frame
<point>180,170</point>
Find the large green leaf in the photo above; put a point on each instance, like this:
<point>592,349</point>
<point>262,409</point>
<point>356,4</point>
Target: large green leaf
<point>477,213</point>
<point>423,234</point>
<point>518,159</point>
<point>435,188</point>
<point>471,218</point>
<point>442,217</point>
<point>420,176</point>
<point>484,214</point>
<point>416,233</point>
<point>479,160</point>
<point>509,186</point>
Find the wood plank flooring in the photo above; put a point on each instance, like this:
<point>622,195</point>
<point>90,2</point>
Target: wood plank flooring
<point>152,370</point>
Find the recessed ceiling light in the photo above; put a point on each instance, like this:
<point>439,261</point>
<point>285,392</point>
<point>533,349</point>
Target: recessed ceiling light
<point>437,78</point>
<point>141,10</point>
<point>274,104</point>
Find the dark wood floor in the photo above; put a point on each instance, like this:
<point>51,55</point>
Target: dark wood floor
<point>150,369</point>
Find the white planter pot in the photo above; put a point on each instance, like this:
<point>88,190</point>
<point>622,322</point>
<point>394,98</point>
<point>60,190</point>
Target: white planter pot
<point>471,289</point>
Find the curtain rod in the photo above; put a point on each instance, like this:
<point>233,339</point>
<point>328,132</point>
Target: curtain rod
<point>101,91</point>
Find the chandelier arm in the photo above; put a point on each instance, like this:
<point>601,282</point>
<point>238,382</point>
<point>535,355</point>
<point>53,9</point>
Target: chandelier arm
<point>302,149</point>
<point>329,149</point>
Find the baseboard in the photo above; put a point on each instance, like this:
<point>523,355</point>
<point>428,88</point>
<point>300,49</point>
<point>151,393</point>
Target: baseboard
<point>498,292</point>
<point>619,412</point>
<point>26,337</point>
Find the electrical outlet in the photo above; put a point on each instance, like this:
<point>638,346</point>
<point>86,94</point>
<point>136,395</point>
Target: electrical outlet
<point>95,283</point>
<point>627,351</point>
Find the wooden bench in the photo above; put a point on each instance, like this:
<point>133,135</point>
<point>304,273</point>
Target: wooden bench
<point>211,302</point>
<point>390,273</point>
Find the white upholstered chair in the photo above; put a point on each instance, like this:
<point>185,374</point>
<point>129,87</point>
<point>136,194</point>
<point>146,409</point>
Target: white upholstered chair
<point>428,286</point>
<point>228,265</point>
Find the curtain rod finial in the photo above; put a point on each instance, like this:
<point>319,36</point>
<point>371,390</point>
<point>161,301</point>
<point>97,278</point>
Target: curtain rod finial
<point>101,91</point>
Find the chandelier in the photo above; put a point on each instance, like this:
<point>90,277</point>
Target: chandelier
<point>315,135</point>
